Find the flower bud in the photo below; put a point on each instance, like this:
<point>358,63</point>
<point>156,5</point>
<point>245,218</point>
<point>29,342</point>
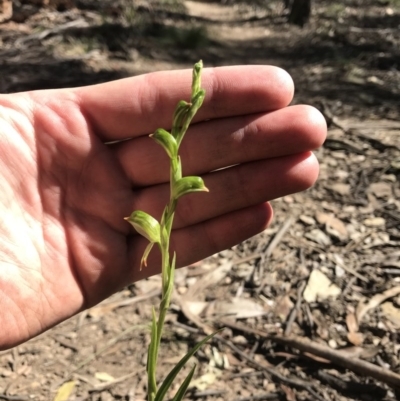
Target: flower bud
<point>179,115</point>
<point>145,225</point>
<point>167,141</point>
<point>197,101</point>
<point>187,185</point>
<point>196,78</point>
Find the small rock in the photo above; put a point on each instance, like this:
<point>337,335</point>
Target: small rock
<point>242,340</point>
<point>381,189</point>
<point>307,220</point>
<point>181,290</point>
<point>339,272</point>
<point>319,237</point>
<point>319,287</point>
<point>340,188</point>
<point>389,11</point>
<point>374,222</point>
<point>341,174</point>
<point>389,177</point>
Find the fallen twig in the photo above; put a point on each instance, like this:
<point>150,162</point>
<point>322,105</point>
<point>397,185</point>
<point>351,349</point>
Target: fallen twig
<point>268,369</point>
<point>207,393</point>
<point>14,397</point>
<point>347,268</point>
<point>351,387</point>
<point>375,301</point>
<point>262,396</point>
<point>278,237</point>
<point>270,248</point>
<point>337,357</point>
<point>79,23</point>
<point>295,382</point>
<point>295,310</point>
<point>356,365</point>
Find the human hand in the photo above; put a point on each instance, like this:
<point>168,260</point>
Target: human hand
<point>75,162</point>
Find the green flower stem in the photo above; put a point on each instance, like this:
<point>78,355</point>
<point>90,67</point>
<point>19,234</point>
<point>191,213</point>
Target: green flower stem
<point>183,115</point>
<point>160,232</point>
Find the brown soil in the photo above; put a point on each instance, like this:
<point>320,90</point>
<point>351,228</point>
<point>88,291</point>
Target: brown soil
<point>342,234</point>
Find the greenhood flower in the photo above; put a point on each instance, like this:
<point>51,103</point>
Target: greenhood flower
<point>145,225</point>
<point>167,141</point>
<point>187,185</point>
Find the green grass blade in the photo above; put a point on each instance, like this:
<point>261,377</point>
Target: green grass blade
<point>152,359</point>
<point>162,391</point>
<point>184,386</point>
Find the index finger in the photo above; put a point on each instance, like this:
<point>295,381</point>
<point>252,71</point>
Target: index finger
<point>136,106</point>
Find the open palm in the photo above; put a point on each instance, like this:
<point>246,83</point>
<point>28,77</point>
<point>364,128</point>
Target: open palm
<point>75,162</point>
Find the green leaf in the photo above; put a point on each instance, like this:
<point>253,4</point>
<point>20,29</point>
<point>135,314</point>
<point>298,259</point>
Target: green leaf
<point>162,391</point>
<point>187,185</point>
<point>170,283</point>
<point>184,386</point>
<point>145,225</point>
<point>152,358</point>
<point>167,141</point>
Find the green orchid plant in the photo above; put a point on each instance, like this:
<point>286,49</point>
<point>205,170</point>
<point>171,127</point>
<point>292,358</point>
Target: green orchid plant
<point>158,233</point>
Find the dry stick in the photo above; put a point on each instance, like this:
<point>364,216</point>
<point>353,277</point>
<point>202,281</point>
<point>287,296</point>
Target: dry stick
<point>348,287</point>
<point>309,316</point>
<point>14,397</point>
<point>339,358</point>
<point>356,365</point>
<point>262,396</point>
<point>247,258</point>
<point>245,374</point>
<point>80,23</point>
<point>278,237</point>
<point>66,344</point>
<point>272,245</point>
<point>269,369</point>
<point>207,393</point>
<point>295,310</point>
<point>348,269</point>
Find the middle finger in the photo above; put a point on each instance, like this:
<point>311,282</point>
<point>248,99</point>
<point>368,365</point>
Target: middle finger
<point>221,143</point>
